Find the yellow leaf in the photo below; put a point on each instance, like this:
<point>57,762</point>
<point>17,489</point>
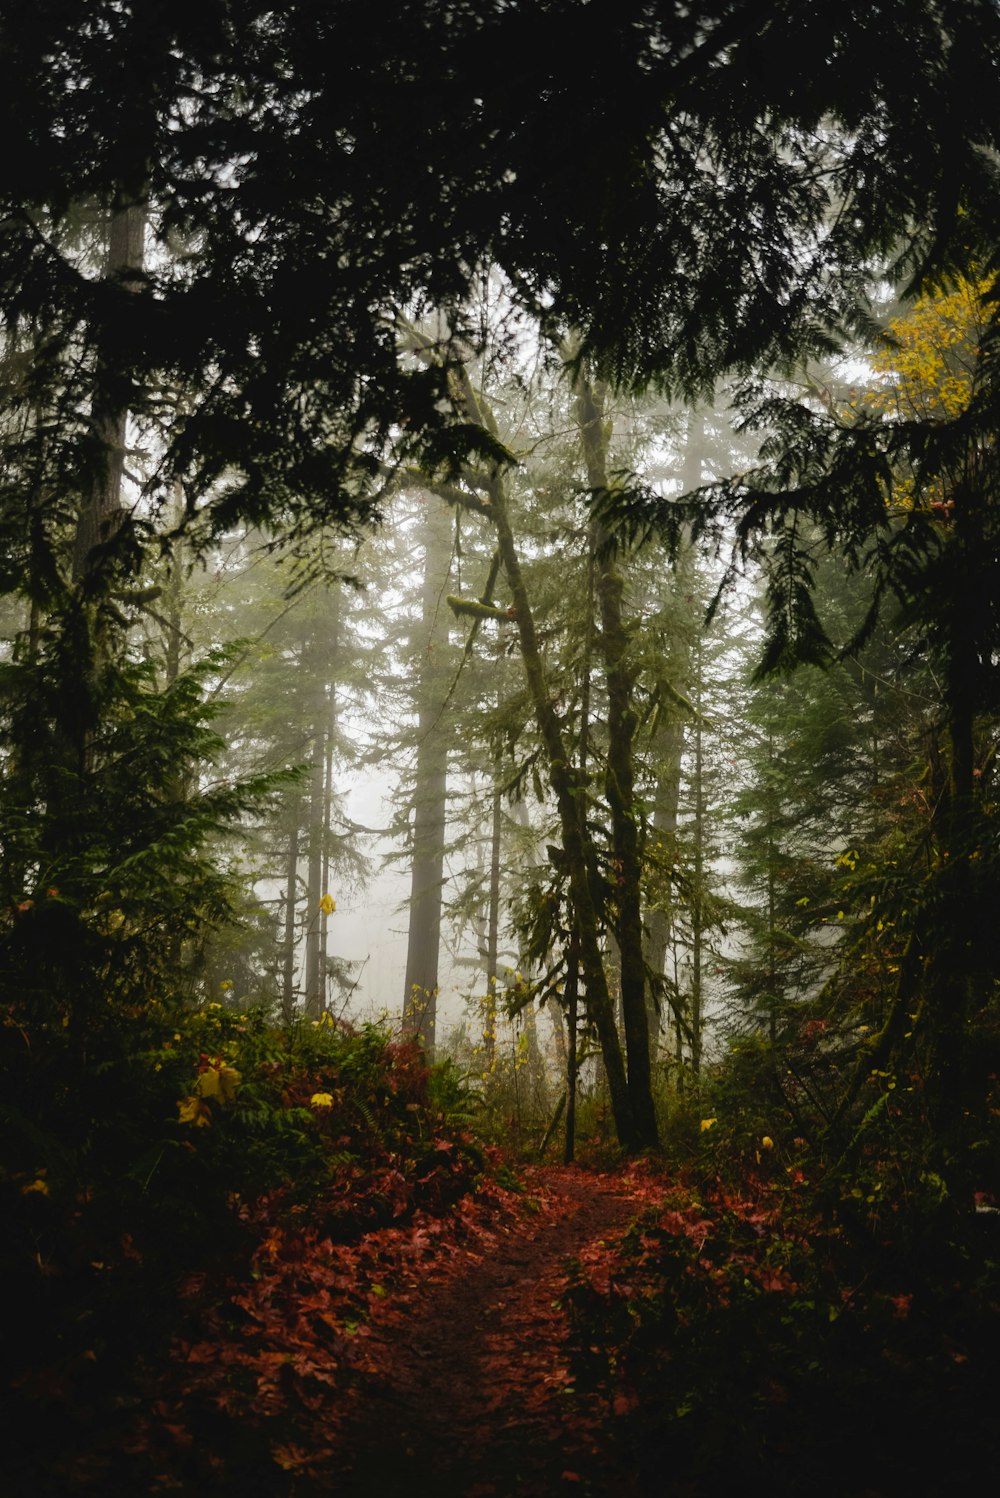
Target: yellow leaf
<point>321,1100</point>
<point>327,905</point>
<point>219,1081</point>
<point>767,1143</point>
<point>38,1186</point>
<point>192,1110</point>
<point>707,1123</point>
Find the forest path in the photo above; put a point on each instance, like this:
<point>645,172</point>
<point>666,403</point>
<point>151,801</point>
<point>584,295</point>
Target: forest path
<point>470,1398</point>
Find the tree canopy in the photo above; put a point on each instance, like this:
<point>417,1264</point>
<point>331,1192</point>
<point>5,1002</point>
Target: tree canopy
<point>659,178</point>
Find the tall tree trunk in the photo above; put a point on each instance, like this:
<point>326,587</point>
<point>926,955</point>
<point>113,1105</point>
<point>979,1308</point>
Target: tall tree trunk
<point>959,967</point>
<point>567,788</point>
<point>101,512</point>
<point>666,803</point>
<point>669,745</point>
<point>620,777</point>
<point>291,891</point>
<point>493,928</point>
<point>431,787</point>
<point>771,811</point>
<point>88,627</point>
<point>572,1023</point>
<point>317,837</point>
<point>173,610</point>
<point>566,784</point>
<point>331,728</point>
<point>698,890</point>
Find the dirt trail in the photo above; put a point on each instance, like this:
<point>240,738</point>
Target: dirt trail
<point>473,1401</point>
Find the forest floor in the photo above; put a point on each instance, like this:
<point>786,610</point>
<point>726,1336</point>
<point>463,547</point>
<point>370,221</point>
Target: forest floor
<point>524,1343</point>
<point>469,1392</point>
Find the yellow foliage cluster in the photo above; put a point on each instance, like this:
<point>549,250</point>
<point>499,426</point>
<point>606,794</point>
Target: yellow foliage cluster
<point>927,371</point>
<point>217,1081</point>
<point>928,366</point>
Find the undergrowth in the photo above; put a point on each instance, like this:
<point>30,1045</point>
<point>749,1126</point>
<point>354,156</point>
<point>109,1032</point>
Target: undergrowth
<point>794,1314</point>
<point>177,1183</point>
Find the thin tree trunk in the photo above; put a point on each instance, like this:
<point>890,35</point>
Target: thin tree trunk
<point>572,1020</point>
<point>670,743</point>
<point>772,899</point>
<point>331,727</point>
<point>493,929</point>
<point>314,877</point>
<point>174,602</point>
<point>430,794</point>
<point>659,920</point>
<point>698,895</point>
<point>288,946</point>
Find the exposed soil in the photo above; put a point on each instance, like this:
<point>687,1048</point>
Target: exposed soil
<point>471,1394</point>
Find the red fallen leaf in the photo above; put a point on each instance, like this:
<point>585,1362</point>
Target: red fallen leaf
<point>775,1280</point>
<point>571,1477</point>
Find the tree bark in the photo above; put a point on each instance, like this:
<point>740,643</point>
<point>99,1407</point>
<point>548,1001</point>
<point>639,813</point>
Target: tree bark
<point>568,787</point>
<point>666,803</point>
<point>572,1018</point>
<point>493,929</point>
<point>101,512</point>
<point>431,789</point>
<point>569,795</point>
<point>314,879</point>
<point>698,893</point>
<point>620,777</point>
<point>288,945</point>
